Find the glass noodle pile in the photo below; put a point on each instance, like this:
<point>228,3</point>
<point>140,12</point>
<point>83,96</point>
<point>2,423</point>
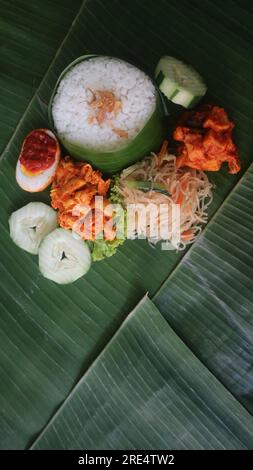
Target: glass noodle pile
<point>168,185</point>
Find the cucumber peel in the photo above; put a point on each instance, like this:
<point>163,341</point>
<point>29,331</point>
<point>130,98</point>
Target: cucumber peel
<point>179,82</point>
<point>146,186</point>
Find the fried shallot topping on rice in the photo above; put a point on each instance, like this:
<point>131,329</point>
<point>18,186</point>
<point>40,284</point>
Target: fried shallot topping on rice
<point>73,195</point>
<point>104,107</point>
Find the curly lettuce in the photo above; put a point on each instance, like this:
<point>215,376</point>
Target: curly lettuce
<point>115,196</point>
<point>101,249</point>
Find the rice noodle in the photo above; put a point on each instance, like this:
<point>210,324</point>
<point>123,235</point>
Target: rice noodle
<point>191,188</point>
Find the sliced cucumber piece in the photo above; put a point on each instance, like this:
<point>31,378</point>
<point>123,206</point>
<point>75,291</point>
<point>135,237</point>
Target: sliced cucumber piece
<point>63,258</point>
<point>146,186</point>
<point>179,82</point>
<point>30,224</point>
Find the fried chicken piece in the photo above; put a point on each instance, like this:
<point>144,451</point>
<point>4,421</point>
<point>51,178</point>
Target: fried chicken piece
<point>217,119</point>
<point>206,136</point>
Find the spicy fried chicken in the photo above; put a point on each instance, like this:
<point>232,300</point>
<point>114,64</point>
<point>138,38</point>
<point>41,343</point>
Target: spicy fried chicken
<point>206,140</point>
<point>73,193</point>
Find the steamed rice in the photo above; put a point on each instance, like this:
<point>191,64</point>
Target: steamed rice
<point>71,109</point>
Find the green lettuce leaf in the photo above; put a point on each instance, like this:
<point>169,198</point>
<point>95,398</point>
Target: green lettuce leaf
<point>101,249</point>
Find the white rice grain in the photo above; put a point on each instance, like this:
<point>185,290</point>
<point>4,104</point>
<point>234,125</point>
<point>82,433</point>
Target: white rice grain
<point>71,109</point>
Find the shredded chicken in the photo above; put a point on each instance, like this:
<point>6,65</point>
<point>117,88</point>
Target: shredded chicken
<point>73,191</point>
<point>206,136</point>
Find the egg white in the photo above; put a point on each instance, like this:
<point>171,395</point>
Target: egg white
<point>38,182</point>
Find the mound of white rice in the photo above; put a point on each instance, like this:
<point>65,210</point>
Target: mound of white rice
<point>71,108</point>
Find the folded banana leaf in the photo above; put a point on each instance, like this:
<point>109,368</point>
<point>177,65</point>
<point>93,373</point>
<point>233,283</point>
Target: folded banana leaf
<point>147,390</point>
<point>50,335</point>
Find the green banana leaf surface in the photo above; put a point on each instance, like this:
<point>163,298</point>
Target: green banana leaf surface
<point>51,335</point>
<point>208,298</point>
<point>148,390</point>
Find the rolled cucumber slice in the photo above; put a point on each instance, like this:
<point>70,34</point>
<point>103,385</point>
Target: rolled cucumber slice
<point>146,186</point>
<point>63,258</point>
<point>179,82</point>
<point>30,224</point>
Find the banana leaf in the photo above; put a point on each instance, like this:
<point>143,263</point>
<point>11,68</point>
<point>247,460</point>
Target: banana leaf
<point>30,36</point>
<point>208,299</point>
<point>147,390</point>
<point>50,335</point>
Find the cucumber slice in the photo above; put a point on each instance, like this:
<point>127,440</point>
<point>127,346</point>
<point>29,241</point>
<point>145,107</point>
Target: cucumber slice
<point>179,82</point>
<point>30,224</point>
<point>146,186</point>
<point>63,258</point>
